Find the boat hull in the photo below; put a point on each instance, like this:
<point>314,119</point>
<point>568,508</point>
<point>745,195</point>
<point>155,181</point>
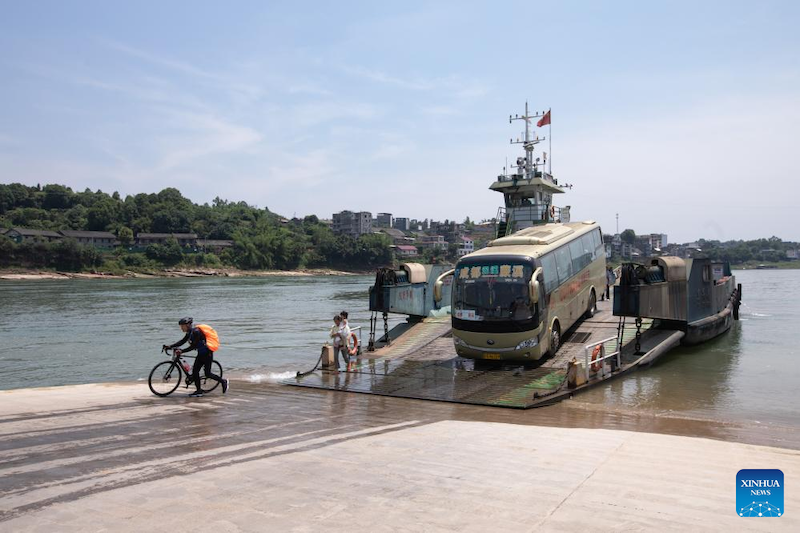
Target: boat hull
<point>709,327</point>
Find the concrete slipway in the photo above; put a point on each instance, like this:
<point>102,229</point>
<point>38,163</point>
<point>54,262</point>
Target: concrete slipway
<point>273,458</point>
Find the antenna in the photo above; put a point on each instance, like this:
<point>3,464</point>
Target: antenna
<point>528,143</point>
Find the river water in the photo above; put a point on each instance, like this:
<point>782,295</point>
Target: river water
<point>58,332</point>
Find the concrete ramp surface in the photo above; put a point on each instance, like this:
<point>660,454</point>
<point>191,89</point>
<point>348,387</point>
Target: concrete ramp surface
<point>276,458</point>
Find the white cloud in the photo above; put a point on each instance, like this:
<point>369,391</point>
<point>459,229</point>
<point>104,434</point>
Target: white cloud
<point>203,135</point>
<point>314,113</point>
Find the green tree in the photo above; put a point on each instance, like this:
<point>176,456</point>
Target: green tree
<point>77,217</point>
<point>23,196</point>
<point>57,197</point>
<point>67,254</point>
<point>6,198</point>
<point>102,214</point>
<point>125,236</point>
<point>29,217</point>
<point>6,251</point>
<point>628,236</point>
<point>169,253</point>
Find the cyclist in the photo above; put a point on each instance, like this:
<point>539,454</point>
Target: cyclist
<point>197,341</point>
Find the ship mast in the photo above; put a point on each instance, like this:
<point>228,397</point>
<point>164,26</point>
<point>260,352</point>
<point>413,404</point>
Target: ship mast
<point>528,144</point>
<point>528,193</point>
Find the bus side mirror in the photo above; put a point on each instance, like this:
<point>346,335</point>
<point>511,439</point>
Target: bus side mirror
<point>533,286</point>
<point>437,286</point>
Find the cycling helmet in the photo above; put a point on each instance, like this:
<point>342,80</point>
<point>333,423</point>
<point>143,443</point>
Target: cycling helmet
<point>185,320</point>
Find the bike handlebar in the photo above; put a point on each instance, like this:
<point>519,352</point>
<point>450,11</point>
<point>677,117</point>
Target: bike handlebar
<point>171,351</point>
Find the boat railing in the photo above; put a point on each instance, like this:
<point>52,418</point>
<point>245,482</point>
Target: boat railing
<point>521,177</point>
<point>589,348</point>
<point>537,214</point>
<point>511,219</point>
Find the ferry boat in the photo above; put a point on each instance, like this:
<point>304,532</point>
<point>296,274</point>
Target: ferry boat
<point>525,328</point>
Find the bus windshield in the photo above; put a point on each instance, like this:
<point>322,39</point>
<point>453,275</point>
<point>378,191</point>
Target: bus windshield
<point>495,292</point>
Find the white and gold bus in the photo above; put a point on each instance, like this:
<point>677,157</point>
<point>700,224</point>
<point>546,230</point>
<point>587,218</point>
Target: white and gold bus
<point>515,298</point>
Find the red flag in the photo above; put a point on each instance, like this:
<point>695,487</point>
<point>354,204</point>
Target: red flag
<point>545,120</point>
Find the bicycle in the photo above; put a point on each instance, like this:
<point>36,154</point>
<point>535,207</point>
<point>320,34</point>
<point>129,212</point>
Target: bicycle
<point>166,376</point>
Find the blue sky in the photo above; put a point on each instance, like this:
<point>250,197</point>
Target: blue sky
<point>680,117</point>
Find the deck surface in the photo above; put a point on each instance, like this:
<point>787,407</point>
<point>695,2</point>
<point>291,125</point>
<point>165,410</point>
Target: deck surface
<point>422,364</point>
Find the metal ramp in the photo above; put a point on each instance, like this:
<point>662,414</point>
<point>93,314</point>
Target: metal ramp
<point>421,364</point>
<point>451,380</point>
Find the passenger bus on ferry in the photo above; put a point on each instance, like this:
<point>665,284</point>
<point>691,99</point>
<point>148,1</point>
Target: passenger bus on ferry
<point>514,299</point>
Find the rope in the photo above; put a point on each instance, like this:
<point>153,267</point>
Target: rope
<point>302,374</point>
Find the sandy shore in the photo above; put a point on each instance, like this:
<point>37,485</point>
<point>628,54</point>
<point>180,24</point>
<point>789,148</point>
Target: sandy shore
<point>276,458</point>
<point>16,275</point>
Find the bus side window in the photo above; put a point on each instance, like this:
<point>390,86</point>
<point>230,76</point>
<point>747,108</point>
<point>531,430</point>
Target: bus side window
<point>598,244</point>
<point>550,272</point>
<point>576,251</point>
<point>563,264</point>
<point>589,248</point>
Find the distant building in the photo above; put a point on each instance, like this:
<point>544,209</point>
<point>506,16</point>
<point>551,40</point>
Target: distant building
<point>402,223</point>
<point>384,220</point>
<point>792,254</point>
<point>626,250</point>
<point>642,242</point>
<point>435,242</point>
<point>466,246</point>
<point>100,239</point>
<point>452,231</point>
<point>406,250</point>
<point>488,229</point>
<point>215,246</point>
<point>616,244</point>
<point>184,239</point>
<point>353,224</point>
<point>658,240</point>
<point>397,236</point>
<point>25,234</point>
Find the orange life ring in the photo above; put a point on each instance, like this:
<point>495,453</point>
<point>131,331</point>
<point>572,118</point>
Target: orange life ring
<point>353,344</point>
<point>553,212</point>
<point>595,353</point>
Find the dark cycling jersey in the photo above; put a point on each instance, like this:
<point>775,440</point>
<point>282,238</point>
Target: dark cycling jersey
<point>196,340</point>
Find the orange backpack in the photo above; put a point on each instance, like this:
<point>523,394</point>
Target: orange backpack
<point>212,339</point>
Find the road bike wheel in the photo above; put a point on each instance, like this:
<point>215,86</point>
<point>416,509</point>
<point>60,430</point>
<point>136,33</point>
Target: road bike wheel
<point>206,384</point>
<point>165,378</point>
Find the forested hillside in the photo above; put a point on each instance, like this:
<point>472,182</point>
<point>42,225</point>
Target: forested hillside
<point>262,239</point>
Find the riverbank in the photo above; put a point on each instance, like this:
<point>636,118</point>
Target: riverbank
<point>26,274</point>
<point>113,456</point>
<point>777,265</point>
